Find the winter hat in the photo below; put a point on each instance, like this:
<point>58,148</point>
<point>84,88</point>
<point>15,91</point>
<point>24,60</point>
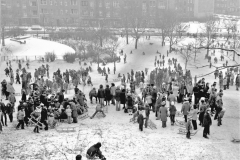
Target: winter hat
<point>163,103</point>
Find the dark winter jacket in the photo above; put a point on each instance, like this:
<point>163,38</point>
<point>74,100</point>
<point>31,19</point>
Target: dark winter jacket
<point>207,121</point>
<point>107,94</point>
<point>117,96</point>
<point>101,93</point>
<point>123,97</point>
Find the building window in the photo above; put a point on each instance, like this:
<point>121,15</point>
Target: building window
<point>34,13</point>
<point>60,2</point>
<point>152,3</point>
<point>55,3</point>
<point>85,13</point>
<point>50,2</point>
<point>108,15</point>
<point>100,13</point>
<point>73,2</point>
<point>74,11</point>
<point>100,4</point>
<point>24,14</point>
<point>65,3</point>
<point>44,11</point>
<point>116,4</point>
<point>91,4</point>
<point>43,2</point>
<point>144,5</point>
<point>107,5</point>
<point>66,11</point>
<point>91,14</point>
<point>61,11</point>
<point>84,3</point>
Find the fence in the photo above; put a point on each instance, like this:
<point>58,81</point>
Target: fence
<point>22,58</point>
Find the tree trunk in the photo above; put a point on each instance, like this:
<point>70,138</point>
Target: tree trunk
<point>101,42</point>
<point>170,46</point>
<point>186,61</point>
<point>127,36</point>
<point>136,43</point>
<point>98,59</point>
<point>3,40</point>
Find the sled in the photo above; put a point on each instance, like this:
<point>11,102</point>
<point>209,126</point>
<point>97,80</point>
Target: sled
<point>184,131</point>
<point>66,129</point>
<point>151,124</point>
<point>134,120</point>
<point>83,116</point>
<point>180,123</point>
<point>36,122</point>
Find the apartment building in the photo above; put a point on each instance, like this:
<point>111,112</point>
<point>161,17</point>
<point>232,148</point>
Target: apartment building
<point>203,8</point>
<point>92,13</point>
<point>228,7</point>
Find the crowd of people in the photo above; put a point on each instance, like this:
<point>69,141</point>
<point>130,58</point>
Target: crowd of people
<point>43,102</point>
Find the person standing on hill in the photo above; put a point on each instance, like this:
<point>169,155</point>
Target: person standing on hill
<point>186,108</point>
<point>163,114</point>
<point>207,122</point>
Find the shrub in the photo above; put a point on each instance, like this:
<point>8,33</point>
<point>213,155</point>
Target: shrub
<point>50,56</point>
<point>69,57</point>
<point>110,59</point>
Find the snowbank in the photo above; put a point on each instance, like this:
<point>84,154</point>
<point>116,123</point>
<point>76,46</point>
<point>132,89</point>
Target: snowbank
<point>35,48</point>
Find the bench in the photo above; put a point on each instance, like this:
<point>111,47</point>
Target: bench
<point>184,131</point>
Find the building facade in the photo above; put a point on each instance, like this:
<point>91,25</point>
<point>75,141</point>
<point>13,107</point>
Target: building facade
<point>92,13</point>
<point>203,8</point>
<point>227,7</point>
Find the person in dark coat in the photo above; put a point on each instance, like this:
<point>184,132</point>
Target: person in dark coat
<point>108,96</point>
<point>186,108</point>
<point>94,151</point>
<point>117,97</point>
<point>123,98</point>
<point>101,95</point>
<point>140,121</point>
<point>44,117</point>
<point>207,122</point>
<point>163,114</point>
<point>24,96</point>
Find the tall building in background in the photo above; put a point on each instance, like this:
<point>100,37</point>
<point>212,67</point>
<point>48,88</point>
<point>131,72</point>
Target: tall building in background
<point>227,7</point>
<point>185,8</point>
<point>203,8</point>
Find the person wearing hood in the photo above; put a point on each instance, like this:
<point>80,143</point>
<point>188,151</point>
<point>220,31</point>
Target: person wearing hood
<point>172,110</point>
<point>163,114</point>
<point>207,122</point>
<point>44,117</point>
<point>117,97</point>
<point>94,151</point>
<point>36,114</point>
<point>220,116</point>
<point>20,118</point>
<point>202,109</point>
<point>185,108</point>
<point>219,104</point>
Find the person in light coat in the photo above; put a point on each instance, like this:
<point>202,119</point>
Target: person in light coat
<point>69,113</point>
<point>163,114</point>
<point>186,108</point>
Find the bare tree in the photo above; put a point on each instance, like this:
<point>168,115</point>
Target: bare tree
<point>112,46</point>
<point>137,20</point>
<point>172,22</point>
<point>125,20</point>
<point>187,54</point>
<point>209,30</point>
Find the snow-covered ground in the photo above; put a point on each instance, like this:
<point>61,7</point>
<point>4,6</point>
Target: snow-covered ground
<point>35,48</point>
<point>120,139</point>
